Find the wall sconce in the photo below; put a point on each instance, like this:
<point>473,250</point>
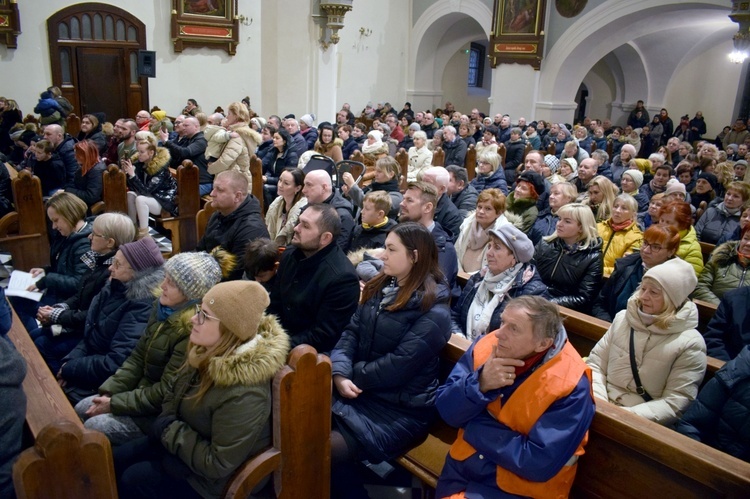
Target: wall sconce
<point>245,21</point>
<point>741,40</point>
<point>334,12</point>
<point>364,32</point>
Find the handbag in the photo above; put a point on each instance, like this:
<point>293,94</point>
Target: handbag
<point>638,385</point>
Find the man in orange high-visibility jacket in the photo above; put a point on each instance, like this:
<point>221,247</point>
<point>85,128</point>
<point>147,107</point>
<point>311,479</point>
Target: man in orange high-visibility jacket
<point>522,399</point>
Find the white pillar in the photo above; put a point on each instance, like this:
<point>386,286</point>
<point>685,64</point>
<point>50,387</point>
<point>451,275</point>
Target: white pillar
<point>556,112</point>
<point>326,83</point>
<point>514,91</point>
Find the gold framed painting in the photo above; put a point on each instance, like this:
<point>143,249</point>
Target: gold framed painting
<point>518,32</point>
<point>205,23</point>
<point>10,23</point>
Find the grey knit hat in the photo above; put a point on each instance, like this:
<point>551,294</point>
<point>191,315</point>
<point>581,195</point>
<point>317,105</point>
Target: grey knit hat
<point>193,273</point>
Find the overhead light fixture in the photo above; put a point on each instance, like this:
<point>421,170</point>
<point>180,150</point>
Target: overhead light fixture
<point>741,40</point>
<point>334,12</point>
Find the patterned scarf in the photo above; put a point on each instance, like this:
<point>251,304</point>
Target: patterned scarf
<point>490,293</point>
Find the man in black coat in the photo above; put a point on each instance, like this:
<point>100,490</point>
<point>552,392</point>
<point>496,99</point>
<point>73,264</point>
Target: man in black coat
<point>454,147</point>
<point>316,289</point>
<point>319,189</point>
<point>237,219</point>
<point>729,330</point>
<point>446,213</point>
<point>191,145</point>
<point>461,192</point>
<point>63,149</point>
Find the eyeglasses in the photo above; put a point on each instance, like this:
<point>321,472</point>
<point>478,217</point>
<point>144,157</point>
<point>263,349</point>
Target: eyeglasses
<point>654,247</point>
<point>94,234</point>
<point>202,316</point>
<point>118,264</point>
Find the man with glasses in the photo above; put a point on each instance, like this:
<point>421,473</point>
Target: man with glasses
<point>143,120</point>
<point>396,133</point>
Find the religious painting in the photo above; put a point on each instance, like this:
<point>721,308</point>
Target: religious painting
<point>570,8</point>
<point>10,23</point>
<point>205,23</point>
<point>518,32</point>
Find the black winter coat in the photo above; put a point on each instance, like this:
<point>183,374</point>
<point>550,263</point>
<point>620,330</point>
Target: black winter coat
<point>194,149</point>
<point>66,268</point>
<point>623,282</point>
<point>728,332</point>
<point>51,173</point>
<point>455,152</point>
<point>154,179</point>
<point>719,416</point>
<point>232,232</point>
<point>274,163</point>
<point>350,145</point>
<point>447,258</point>
<point>344,209</point>
<point>114,324</point>
<point>448,216</point>
<point>544,225</point>
<point>314,297</point>
<point>573,277</point>
<point>393,357</point>
<point>67,155</point>
<point>92,282</point>
<point>466,200</point>
<point>372,237</point>
<point>460,308</point>
<point>89,187</point>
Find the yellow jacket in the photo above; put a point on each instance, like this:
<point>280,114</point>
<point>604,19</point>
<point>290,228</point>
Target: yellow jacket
<point>690,249</point>
<point>618,244</point>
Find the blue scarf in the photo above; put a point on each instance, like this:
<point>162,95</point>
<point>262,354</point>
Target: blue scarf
<point>163,312</point>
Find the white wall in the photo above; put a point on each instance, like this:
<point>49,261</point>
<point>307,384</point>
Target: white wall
<point>454,84</point>
<point>708,83</point>
<point>198,73</point>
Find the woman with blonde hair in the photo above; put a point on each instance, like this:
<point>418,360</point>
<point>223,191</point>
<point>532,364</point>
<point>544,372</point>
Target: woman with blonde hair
<point>561,193</point>
<point>242,144</point>
<point>620,234</point>
<point>600,197</point>
<point>652,359</point>
<point>570,260</point>
<point>471,245</point>
<point>489,173</point>
<point>420,157</point>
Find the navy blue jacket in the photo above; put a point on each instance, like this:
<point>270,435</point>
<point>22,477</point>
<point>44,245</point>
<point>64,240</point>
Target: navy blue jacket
<point>623,282</point>
<point>66,268</point>
<point>494,181</point>
<point>728,332</point>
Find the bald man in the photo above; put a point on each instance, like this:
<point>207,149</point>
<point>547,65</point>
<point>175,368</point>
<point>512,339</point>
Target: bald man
<point>318,188</point>
<point>191,145</point>
<point>64,149</point>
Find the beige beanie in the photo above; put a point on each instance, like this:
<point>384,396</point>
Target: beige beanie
<point>239,305</point>
<point>676,277</point>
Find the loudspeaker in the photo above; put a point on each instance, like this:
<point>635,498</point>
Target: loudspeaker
<point>147,63</point>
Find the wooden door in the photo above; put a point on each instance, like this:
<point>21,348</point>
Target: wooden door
<point>102,83</point>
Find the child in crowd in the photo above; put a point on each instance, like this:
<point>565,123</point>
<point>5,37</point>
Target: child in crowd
<point>216,136</point>
<point>375,224</point>
<point>262,259</point>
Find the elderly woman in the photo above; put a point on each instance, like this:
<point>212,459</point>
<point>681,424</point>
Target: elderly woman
<point>560,194</point>
<point>471,245</point>
<point>241,146</point>
<point>567,171</point>
<point>600,197</point>
<point>488,142</point>
<point>87,183</point>
<point>507,274</point>
<point>724,217</point>
<point>373,149</point>
<point>660,243</point>
<point>216,414</point>
<point>620,162</point>
<point>420,157</point>
<point>570,260</point>
<point>130,400</point>
<point>630,183</point>
<point>152,186</point>
<point>63,323</point>
<point>70,241</point>
<point>620,234</point>
<point>652,359</point>
<point>490,174</point>
<point>283,214</point>
<point>678,215</point>
<point>725,270</point>
<point>522,210</point>
<point>115,320</point>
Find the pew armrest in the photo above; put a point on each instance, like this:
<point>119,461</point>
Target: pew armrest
<point>253,472</point>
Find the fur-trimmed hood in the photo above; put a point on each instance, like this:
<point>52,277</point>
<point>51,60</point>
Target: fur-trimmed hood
<point>248,135</point>
<point>320,147</point>
<point>725,254</point>
<point>255,361</point>
<point>144,283</point>
<point>160,160</point>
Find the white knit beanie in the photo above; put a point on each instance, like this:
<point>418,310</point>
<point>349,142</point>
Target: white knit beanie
<point>676,277</point>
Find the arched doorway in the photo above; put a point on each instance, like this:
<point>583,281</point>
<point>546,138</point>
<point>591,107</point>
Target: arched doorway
<point>94,54</point>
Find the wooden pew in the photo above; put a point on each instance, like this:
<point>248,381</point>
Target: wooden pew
<point>12,172</point>
<point>182,226</point>
<point>402,158</point>
<point>470,163</point>
<point>115,191</point>
<point>526,150</point>
<point>551,149</point>
<point>256,171</point>
<point>706,250</point>
<point>46,402</point>
<point>502,152</point>
<point>706,312</point>
<point>610,148</point>
<point>438,157</point>
<point>201,219</point>
<point>593,146</point>
<point>73,124</point>
<point>24,232</point>
<point>300,457</point>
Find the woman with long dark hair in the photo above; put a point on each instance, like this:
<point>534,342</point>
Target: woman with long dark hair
<point>284,212</point>
<point>281,156</point>
<point>385,366</point>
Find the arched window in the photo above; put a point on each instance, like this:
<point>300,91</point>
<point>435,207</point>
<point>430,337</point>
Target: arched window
<point>476,65</point>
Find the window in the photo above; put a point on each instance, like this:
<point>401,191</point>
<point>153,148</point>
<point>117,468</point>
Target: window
<point>476,65</point>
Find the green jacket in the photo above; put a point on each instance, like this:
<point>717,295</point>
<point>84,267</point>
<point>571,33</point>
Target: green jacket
<point>137,388</point>
<point>213,436</point>
<point>722,273</point>
<point>521,212</point>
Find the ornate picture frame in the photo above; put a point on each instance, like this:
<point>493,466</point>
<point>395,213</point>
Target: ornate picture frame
<point>10,23</point>
<point>205,23</point>
<point>518,32</point>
